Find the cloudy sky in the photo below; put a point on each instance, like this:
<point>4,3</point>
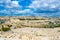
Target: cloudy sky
<point>30,7</point>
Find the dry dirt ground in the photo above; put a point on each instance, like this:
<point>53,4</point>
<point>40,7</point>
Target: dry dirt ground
<point>31,34</point>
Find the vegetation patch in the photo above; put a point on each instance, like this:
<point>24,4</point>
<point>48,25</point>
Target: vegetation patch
<point>5,29</point>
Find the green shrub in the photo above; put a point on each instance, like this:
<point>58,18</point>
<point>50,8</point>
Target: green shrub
<point>58,25</point>
<point>49,26</point>
<point>58,30</point>
<point>6,29</point>
<point>2,21</point>
<point>0,29</point>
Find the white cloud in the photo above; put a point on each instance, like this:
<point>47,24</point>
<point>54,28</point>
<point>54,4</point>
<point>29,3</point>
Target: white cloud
<point>53,6</point>
<point>37,4</point>
<point>5,11</point>
<point>16,11</point>
<point>10,4</point>
<point>13,7</point>
<point>5,1</point>
<point>24,11</point>
<point>15,4</point>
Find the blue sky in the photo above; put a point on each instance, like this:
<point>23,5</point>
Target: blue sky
<point>30,7</point>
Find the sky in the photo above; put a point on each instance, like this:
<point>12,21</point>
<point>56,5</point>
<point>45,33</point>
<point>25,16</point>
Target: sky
<point>30,8</point>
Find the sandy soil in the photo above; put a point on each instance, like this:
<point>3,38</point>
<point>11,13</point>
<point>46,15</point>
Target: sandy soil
<point>31,34</point>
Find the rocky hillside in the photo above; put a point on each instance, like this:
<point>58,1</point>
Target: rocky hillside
<point>29,28</point>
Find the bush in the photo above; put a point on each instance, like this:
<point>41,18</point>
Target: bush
<point>6,29</point>
<point>58,30</point>
<point>58,25</point>
<point>49,26</point>
<point>9,25</point>
<point>2,21</point>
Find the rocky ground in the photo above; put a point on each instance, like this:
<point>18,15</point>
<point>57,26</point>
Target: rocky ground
<point>29,28</point>
<point>31,34</point>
